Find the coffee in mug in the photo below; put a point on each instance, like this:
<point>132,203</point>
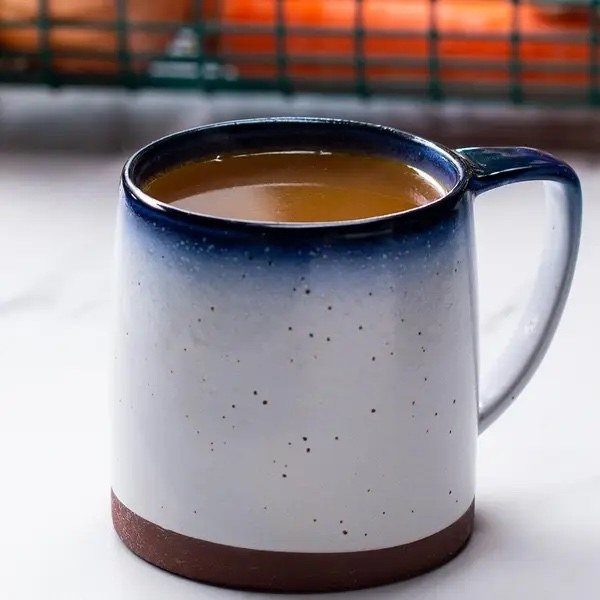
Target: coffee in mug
<point>295,186</point>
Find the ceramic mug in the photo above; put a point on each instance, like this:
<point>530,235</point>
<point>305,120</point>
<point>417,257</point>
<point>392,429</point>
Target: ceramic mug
<point>297,406</point>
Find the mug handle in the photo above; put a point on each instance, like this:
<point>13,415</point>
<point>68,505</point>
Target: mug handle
<point>495,167</point>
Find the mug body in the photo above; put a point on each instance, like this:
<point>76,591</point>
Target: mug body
<point>295,406</point>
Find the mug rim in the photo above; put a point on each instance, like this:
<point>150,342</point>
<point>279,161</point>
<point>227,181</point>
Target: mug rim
<point>417,217</point>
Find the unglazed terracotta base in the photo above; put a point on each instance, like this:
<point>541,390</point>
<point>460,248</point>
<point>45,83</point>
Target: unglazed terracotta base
<point>261,570</point>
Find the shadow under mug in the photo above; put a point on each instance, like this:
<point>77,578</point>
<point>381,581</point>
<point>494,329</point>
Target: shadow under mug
<point>297,406</point>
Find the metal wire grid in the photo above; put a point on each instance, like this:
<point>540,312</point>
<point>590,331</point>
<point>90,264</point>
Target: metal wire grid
<point>264,45</point>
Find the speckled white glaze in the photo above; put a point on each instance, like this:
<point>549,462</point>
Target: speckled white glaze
<point>311,398</point>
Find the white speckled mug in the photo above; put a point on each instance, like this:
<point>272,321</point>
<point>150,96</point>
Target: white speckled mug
<point>297,406</point>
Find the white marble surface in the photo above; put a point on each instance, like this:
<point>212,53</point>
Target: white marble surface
<point>538,491</point>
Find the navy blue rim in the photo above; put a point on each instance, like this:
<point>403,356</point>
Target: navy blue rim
<point>186,145</point>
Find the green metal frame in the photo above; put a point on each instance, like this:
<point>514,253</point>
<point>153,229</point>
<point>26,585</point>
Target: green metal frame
<point>204,67</point>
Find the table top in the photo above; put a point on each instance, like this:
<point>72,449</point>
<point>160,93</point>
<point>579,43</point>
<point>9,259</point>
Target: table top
<point>538,492</point>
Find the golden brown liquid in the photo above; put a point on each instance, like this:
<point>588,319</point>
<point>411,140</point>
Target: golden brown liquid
<point>295,187</point>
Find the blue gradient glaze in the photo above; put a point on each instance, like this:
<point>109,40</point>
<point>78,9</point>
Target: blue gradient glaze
<point>364,344</point>
<point>446,167</point>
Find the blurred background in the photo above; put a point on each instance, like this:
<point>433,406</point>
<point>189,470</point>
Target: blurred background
<point>83,83</point>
